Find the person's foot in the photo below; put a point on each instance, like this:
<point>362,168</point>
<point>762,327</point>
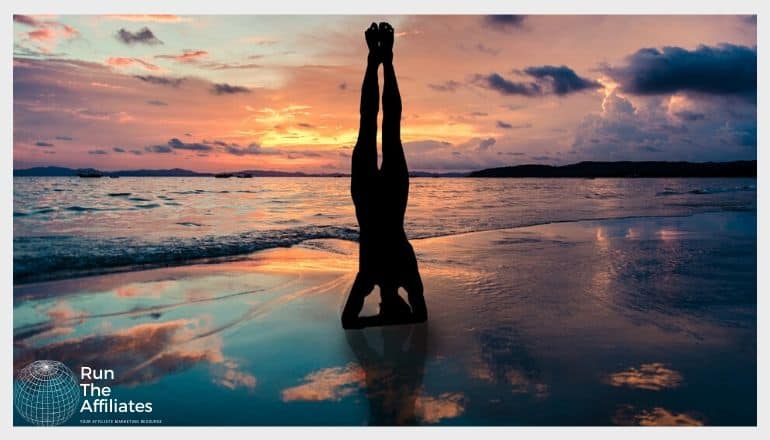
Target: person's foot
<point>372,35</point>
<point>387,35</point>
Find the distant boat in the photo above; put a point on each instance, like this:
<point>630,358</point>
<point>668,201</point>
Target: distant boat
<point>90,174</point>
<point>223,175</point>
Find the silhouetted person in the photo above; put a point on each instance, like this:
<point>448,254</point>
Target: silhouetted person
<point>393,378</point>
<point>386,258</point>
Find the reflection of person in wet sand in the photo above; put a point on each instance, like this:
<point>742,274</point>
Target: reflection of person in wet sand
<point>386,258</point>
<point>393,378</point>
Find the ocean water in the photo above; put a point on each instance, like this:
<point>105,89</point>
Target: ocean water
<point>65,227</point>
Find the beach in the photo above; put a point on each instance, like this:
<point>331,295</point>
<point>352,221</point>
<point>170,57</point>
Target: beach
<point>621,321</point>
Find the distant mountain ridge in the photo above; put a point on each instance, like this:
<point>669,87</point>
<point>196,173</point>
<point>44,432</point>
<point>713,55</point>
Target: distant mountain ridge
<point>742,168</point>
<point>52,171</point>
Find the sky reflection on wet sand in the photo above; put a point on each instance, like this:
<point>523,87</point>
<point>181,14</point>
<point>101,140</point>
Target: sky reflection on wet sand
<point>562,324</point>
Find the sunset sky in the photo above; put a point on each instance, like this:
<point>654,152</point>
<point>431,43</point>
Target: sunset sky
<point>217,93</point>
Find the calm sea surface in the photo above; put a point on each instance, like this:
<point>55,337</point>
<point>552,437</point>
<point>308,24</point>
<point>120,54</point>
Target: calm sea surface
<point>67,226</point>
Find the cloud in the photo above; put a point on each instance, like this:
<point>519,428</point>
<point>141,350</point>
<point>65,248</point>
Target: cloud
<point>486,144</point>
<point>505,22</point>
<point>64,138</point>
<point>46,32</point>
<point>97,152</point>
<point>626,415</point>
<point>505,87</point>
<point>502,124</point>
<point>546,80</point>
<point>44,144</point>
<point>688,115</point>
<point>26,19</point>
<point>229,66</point>
<point>156,102</point>
<point>444,406</point>
<point>187,56</point>
<point>651,377</point>
<point>163,149</point>
<point>176,144</point>
<point>118,150</point>
<point>160,80</point>
<point>704,128</point>
<point>329,384</point>
<point>227,89</point>
<point>563,80</point>
<point>127,62</point>
<point>142,36</point>
<point>251,150</point>
<point>725,69</point>
<point>446,86</point>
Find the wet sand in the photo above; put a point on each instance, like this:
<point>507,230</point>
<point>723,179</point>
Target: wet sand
<point>644,321</point>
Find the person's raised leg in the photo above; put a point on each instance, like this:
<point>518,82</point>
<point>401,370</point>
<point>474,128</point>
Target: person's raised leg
<point>394,168</point>
<point>364,160</point>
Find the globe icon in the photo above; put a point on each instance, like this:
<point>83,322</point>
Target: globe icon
<point>46,393</point>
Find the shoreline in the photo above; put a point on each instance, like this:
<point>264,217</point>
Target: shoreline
<point>249,254</point>
<point>639,314</point>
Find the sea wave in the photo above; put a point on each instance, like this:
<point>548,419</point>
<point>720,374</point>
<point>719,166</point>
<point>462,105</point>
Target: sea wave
<point>717,190</point>
<point>69,256</point>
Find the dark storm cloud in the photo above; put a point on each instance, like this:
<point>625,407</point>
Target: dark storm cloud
<point>160,80</point>
<point>142,36</point>
<point>503,22</point>
<point>156,102</point>
<point>158,149</point>
<point>749,19</point>
<point>506,87</point>
<point>486,144</point>
<point>176,144</point>
<point>690,116</point>
<point>546,80</point>
<point>252,150</point>
<point>563,79</point>
<point>118,150</point>
<point>227,89</point>
<point>43,144</point>
<point>715,70</point>
<point>446,86</point>
<point>97,152</point>
<point>25,19</point>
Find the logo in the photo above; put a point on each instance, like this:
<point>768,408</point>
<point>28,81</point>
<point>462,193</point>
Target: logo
<point>46,393</point>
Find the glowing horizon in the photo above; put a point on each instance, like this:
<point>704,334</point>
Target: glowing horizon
<point>225,93</point>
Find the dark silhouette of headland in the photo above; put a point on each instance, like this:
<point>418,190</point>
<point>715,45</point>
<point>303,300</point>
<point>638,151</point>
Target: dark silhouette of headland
<point>743,168</point>
<point>386,258</point>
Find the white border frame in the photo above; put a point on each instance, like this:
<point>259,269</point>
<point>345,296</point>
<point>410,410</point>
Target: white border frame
<point>352,7</point>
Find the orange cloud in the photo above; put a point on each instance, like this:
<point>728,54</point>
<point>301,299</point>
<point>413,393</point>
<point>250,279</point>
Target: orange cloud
<point>445,406</point>
<point>188,56</point>
<point>626,416</point>
<point>653,377</point>
<point>328,384</point>
<point>126,62</point>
